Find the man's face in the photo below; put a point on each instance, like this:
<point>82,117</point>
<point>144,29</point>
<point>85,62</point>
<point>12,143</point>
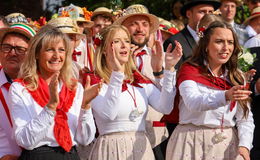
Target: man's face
<point>100,23</point>
<point>139,28</point>
<point>195,13</point>
<point>2,25</point>
<point>12,60</point>
<point>228,10</point>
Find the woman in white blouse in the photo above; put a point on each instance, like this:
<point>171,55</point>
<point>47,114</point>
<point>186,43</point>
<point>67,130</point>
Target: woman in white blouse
<point>121,106</point>
<point>49,113</point>
<point>215,121</point>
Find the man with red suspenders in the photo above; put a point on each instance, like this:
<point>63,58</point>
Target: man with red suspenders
<point>13,48</point>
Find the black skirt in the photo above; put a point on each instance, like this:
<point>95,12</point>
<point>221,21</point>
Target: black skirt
<point>49,153</point>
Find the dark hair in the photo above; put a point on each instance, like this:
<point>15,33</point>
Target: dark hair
<point>200,56</point>
<point>3,19</point>
<point>109,18</point>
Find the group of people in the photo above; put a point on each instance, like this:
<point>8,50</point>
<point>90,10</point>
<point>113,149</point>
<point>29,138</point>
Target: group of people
<point>128,85</point>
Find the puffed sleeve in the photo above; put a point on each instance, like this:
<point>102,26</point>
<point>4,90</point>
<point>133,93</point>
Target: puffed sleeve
<point>245,127</point>
<point>108,97</point>
<point>197,100</point>
<point>28,130</point>
<point>86,129</point>
<point>166,97</point>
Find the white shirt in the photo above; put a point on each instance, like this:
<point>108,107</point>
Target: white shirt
<point>253,42</point>
<point>194,34</point>
<point>251,32</point>
<point>8,144</point>
<point>203,105</point>
<point>33,124</point>
<point>112,107</point>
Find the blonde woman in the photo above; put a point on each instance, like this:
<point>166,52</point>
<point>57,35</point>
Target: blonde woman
<point>120,108</point>
<point>49,113</point>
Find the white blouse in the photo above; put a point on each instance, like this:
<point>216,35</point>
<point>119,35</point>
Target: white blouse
<point>33,124</point>
<point>112,107</point>
<point>203,105</point>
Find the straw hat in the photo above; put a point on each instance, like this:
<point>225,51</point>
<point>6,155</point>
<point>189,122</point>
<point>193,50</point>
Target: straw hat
<point>191,3</point>
<point>139,10</point>
<point>238,2</point>
<point>76,13</point>
<point>16,18</point>
<point>103,11</point>
<point>167,27</point>
<point>65,24</point>
<point>21,28</point>
<point>255,13</point>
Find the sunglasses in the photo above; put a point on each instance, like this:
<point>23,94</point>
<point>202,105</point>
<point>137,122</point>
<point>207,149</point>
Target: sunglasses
<point>7,48</point>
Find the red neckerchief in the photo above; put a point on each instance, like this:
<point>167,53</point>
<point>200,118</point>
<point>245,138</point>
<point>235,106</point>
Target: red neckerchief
<point>74,55</point>
<point>140,54</point>
<point>138,79</point>
<point>185,74</point>
<point>66,97</point>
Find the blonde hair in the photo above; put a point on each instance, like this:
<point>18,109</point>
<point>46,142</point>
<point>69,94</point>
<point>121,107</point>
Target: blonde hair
<point>47,36</point>
<point>101,65</point>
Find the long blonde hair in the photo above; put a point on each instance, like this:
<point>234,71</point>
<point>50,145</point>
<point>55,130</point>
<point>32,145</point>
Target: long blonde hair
<point>47,36</point>
<point>101,65</point>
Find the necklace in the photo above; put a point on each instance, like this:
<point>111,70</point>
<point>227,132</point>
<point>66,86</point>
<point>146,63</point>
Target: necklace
<point>135,113</point>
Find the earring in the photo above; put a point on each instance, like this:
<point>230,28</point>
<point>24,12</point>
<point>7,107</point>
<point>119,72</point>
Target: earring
<point>206,50</point>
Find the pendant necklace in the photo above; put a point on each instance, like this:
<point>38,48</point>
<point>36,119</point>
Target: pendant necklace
<point>135,113</point>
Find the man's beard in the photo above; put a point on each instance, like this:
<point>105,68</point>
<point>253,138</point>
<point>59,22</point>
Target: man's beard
<point>140,44</point>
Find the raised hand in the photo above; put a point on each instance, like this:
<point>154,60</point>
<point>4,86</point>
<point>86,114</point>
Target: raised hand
<point>173,57</point>
<point>9,157</point>
<point>237,93</point>
<point>244,152</point>
<point>90,92</point>
<point>113,61</point>
<point>157,56</point>
<point>53,89</point>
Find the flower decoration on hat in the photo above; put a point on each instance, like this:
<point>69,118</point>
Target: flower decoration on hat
<point>87,14</point>
<point>171,29</point>
<point>40,22</point>
<point>98,39</point>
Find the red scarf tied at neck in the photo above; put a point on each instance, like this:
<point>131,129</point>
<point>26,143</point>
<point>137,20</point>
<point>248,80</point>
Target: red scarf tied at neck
<point>190,72</point>
<point>66,96</point>
<point>138,79</point>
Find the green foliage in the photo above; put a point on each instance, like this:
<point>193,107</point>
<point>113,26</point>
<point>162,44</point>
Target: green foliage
<point>242,14</point>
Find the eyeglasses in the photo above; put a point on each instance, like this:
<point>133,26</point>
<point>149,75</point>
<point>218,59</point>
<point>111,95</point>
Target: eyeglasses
<point>7,48</point>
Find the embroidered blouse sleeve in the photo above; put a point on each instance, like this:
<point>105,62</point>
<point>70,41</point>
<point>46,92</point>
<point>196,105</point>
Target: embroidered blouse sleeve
<point>105,103</point>
<point>245,127</point>
<point>29,130</point>
<point>196,100</point>
<point>86,129</point>
<point>167,94</point>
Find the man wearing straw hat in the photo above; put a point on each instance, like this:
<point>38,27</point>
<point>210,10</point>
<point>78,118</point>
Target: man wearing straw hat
<point>141,24</point>
<point>253,27</point>
<point>102,17</point>
<point>228,12</point>
<point>13,48</point>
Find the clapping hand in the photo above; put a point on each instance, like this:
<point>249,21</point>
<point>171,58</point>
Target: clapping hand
<point>113,62</point>
<point>157,56</point>
<point>53,89</point>
<point>90,92</point>
<point>173,57</point>
<point>237,93</point>
<point>244,152</point>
